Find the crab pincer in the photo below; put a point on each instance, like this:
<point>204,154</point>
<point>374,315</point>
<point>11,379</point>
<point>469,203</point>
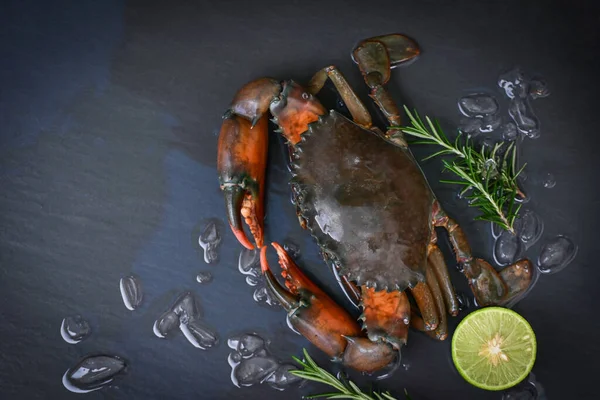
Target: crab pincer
<point>242,158</point>
<point>321,320</point>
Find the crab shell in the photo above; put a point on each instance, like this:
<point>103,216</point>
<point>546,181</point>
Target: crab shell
<point>365,201</point>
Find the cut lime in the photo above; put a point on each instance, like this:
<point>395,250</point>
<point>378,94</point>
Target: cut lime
<point>494,348</point>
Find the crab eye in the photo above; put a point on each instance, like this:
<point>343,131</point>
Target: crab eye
<point>305,96</point>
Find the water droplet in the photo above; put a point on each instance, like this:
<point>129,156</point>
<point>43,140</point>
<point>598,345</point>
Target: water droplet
<point>477,104</point>
<point>233,341</point>
<point>292,249</point>
<point>470,126</point>
<point>186,307</point>
<point>496,230</point>
<point>523,176</point>
<point>204,277</point>
<point>465,301</point>
<point>252,280</point>
<point>251,363</point>
<point>289,324</point>
<point>514,83</point>
<point>282,377</point>
<point>549,181</point>
<point>529,227</point>
<point>490,123</point>
<point>74,329</point>
<point>248,344</point>
<point>488,142</point>
<point>92,373</point>
<point>524,393</point>
<point>131,292</point>
<point>507,248</point>
<point>185,313</point>
<point>522,114</point>
<point>255,370</point>
<point>538,89</point>
<point>165,324</point>
<point>248,261</point>
<point>263,295</point>
<point>210,240</point>
<point>249,265</point>
<point>236,357</point>
<point>509,131</point>
<point>464,192</point>
<point>556,254</point>
<point>199,334</point>
<point>490,168</point>
<point>460,267</point>
<point>528,389</point>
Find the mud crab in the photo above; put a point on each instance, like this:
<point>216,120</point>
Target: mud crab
<point>367,203</point>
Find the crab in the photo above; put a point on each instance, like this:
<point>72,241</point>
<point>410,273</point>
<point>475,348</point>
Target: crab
<point>365,200</point>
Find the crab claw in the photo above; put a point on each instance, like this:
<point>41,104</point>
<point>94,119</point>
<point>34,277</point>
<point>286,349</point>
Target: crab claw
<point>241,165</point>
<point>321,320</point>
<point>242,157</point>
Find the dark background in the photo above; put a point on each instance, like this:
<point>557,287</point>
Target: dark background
<point>109,114</point>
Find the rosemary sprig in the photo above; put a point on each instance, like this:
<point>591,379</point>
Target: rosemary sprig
<point>491,177</point>
<point>344,390</point>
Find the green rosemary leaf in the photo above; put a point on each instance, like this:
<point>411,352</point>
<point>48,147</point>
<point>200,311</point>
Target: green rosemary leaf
<point>345,390</point>
<point>492,184</point>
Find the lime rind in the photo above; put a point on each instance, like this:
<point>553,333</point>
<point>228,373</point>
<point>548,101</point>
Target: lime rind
<point>477,328</point>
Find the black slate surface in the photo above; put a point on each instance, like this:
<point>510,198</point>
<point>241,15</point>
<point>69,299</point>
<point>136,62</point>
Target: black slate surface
<point>109,114</point>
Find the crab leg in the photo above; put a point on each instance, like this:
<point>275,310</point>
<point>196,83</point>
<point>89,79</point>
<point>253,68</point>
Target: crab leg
<point>321,320</point>
<point>435,260</point>
<point>386,315</point>
<point>242,151</point>
<point>426,304</point>
<point>441,331</point>
<point>442,294</point>
<point>375,58</point>
<point>518,278</point>
<point>487,284</point>
<point>359,112</point>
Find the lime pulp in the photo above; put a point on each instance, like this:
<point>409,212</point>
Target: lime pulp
<point>494,348</point>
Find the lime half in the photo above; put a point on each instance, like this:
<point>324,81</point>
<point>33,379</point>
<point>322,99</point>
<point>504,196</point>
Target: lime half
<point>494,348</point>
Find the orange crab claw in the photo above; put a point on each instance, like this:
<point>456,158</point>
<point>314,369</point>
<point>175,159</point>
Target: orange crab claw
<point>321,320</point>
<point>242,157</point>
<point>241,165</point>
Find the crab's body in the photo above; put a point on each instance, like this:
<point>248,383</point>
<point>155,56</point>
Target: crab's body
<point>357,194</point>
<point>367,203</point>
